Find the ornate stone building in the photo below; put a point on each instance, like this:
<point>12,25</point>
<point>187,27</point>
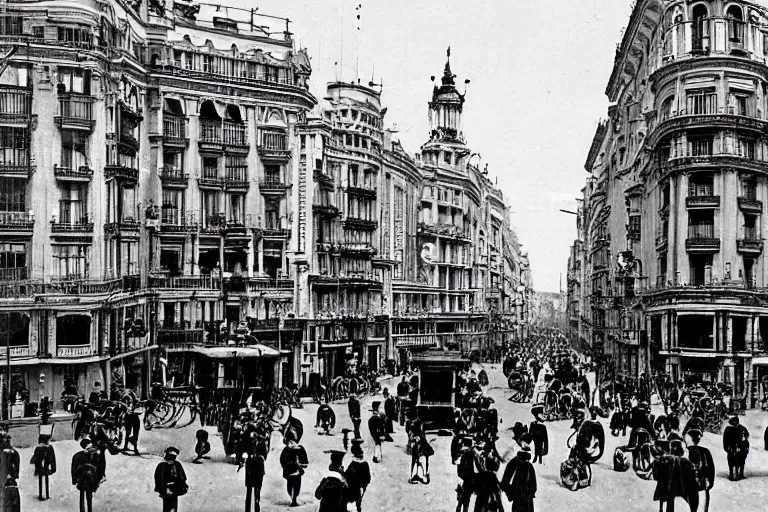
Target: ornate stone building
<point>169,184</point>
<point>674,215</point>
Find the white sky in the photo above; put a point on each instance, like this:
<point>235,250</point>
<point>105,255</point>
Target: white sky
<point>538,72</point>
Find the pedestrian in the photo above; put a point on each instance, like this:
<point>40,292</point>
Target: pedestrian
<point>736,445</point>
<point>519,481</point>
<point>254,474</point>
<point>202,446</point>
<point>11,497</point>
<point>466,471</point>
<point>378,428</point>
<point>353,405</point>
<point>358,475</point>
<point>44,460</point>
<point>333,491</point>
<point>675,477</point>
<point>132,423</point>
<point>170,480</point>
<point>9,461</point>
<point>703,464</point>
<point>390,412</point>
<point>538,432</point>
<point>326,418</point>
<point>86,473</point>
<point>488,487</point>
<point>293,460</point>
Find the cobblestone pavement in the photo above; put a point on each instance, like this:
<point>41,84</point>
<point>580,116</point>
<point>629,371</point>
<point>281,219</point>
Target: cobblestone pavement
<point>216,486</point>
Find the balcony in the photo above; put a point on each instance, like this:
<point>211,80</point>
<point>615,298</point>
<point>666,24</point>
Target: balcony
<point>661,242</point>
<point>701,238</point>
<point>273,185</point>
<point>414,340</point>
<point>362,191</point>
<point>15,171</point>
<point>172,176</point>
<point>274,232</point>
<point>236,138</point>
<point>126,225</point>
<point>750,205</point>
<point>174,131</point>
<point>210,136</point>
<point>73,351</point>
<point>327,210</point>
<point>75,112</point>
<point>172,334</point>
<point>273,146</point>
<point>236,178</point>
<point>15,103</point>
<point>360,224</point>
<point>257,284</point>
<point>128,142</point>
<point>357,248</point>
<point>749,245</point>
<point>178,226</point>
<point>444,231</point>
<point>82,174</point>
<point>121,172</point>
<point>198,282</point>
<point>326,181</point>
<point>17,222</point>
<point>215,223</point>
<point>82,226</point>
<point>702,201</point>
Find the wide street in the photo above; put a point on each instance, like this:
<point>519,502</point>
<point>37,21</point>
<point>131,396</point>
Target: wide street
<point>215,485</point>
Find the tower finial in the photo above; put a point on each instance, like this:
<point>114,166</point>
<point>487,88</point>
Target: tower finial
<point>449,52</point>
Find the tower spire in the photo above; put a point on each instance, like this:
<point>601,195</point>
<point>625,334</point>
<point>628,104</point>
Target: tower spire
<point>448,76</point>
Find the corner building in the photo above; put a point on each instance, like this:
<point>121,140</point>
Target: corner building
<point>678,195</point>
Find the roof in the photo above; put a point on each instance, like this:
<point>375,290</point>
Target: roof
<point>439,357</point>
<point>237,352</point>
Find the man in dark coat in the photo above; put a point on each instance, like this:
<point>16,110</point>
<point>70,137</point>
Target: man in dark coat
<point>170,480</point>
<point>326,418</point>
<point>390,411</point>
<point>44,460</point>
<point>736,445</point>
<point>293,460</point>
<point>488,487</point>
<point>377,426</point>
<point>358,475</point>
<point>254,475</point>
<point>132,422</point>
<point>353,404</point>
<point>675,477</point>
<point>333,491</point>
<point>11,497</point>
<point>703,464</point>
<point>540,437</point>
<point>467,474</point>
<point>9,460</point>
<point>519,481</point>
<point>86,473</point>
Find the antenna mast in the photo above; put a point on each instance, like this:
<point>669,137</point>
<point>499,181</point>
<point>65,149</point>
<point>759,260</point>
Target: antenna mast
<point>358,9</point>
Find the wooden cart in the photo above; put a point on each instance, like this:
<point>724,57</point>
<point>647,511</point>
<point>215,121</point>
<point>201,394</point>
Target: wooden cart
<point>437,372</point>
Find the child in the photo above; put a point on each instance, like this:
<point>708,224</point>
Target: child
<point>44,460</point>
<point>203,447</point>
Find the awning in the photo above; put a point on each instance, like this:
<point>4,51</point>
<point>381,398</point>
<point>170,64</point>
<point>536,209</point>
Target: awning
<point>236,352</point>
<point>134,352</point>
<point>56,360</point>
<point>760,361</point>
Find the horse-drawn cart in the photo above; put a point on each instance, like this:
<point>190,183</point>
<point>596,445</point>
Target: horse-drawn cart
<point>437,372</point>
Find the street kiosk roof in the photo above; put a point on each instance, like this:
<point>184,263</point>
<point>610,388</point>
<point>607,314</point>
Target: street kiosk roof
<point>237,352</point>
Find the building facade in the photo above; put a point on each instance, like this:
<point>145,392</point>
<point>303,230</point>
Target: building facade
<point>674,217</point>
<point>169,183</point>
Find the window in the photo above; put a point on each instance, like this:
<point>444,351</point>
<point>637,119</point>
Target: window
<point>13,261</point>
<point>236,208</point>
<point>665,195</point>
<point>210,203</point>
<point>172,207</point>
<point>701,102</point>
<point>701,185</point>
<point>695,331</point>
<point>74,153</point>
<point>73,205</point>
<point>70,261</point>
<point>749,188</point>
<point>14,147</point>
<point>13,193</point>
<point>11,25</point>
<point>79,37</point>
<point>701,224</point>
<point>700,28</point>
<point>130,258</point>
<point>128,213</point>
<point>272,215</point>
<point>236,168</point>
<point>634,228</point>
<point>740,104</point>
<point>750,227</point>
<point>747,148</point>
<point>735,25</point>
<point>666,108</point>
<point>210,168</point>
<point>75,80</point>
<point>700,146</point>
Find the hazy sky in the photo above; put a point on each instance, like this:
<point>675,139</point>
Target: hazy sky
<point>538,72</point>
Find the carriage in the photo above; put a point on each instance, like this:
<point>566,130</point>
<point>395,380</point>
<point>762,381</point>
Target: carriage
<point>437,373</point>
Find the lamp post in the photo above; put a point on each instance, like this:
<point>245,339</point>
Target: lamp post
<point>7,408</point>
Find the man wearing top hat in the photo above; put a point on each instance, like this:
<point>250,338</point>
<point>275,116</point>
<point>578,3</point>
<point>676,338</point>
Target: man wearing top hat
<point>390,412</point>
<point>254,472</point>
<point>703,464</point>
<point>736,445</point>
<point>333,491</point>
<point>170,480</point>
<point>467,473</point>
<point>44,460</point>
<point>358,475</point>
<point>9,460</point>
<point>378,428</point>
<point>353,405</point>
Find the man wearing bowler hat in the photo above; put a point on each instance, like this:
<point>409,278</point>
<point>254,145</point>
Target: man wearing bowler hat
<point>358,475</point>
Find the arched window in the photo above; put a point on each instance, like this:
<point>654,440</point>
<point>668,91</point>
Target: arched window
<point>700,27</point>
<point>666,108</point>
<point>735,24</point>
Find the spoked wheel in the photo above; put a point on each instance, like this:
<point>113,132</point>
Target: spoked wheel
<point>644,467</point>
